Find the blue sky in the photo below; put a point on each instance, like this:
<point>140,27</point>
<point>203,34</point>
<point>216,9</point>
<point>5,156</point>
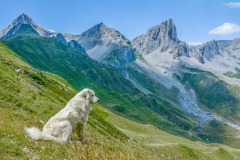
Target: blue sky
<point>196,20</point>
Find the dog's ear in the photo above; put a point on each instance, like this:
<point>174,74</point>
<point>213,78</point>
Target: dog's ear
<point>86,94</point>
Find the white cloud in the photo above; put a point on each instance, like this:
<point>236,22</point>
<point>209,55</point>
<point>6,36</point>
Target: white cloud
<point>225,29</point>
<point>194,43</point>
<point>233,4</point>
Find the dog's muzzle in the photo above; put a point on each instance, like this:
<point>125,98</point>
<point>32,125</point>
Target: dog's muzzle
<point>95,100</point>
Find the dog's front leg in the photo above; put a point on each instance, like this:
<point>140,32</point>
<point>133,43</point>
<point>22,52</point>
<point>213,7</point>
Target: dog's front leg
<point>83,134</point>
<point>80,130</point>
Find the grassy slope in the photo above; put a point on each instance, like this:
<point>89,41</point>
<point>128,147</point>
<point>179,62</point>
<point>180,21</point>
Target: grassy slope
<point>26,101</point>
<point>168,145</point>
<point>22,106</point>
<point>116,93</point>
<point>233,75</point>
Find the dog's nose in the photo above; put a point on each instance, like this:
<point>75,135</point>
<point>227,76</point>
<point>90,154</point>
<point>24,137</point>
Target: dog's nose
<point>98,100</point>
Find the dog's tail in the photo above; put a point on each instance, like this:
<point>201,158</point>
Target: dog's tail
<point>34,133</point>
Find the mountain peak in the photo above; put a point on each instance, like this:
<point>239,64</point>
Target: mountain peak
<point>170,20</point>
<point>100,40</point>
<point>168,29</point>
<point>163,32</point>
<point>24,16</point>
<point>162,36</point>
<point>100,33</point>
<point>100,26</point>
<point>24,19</point>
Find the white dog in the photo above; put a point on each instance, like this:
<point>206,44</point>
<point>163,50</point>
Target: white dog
<point>59,128</point>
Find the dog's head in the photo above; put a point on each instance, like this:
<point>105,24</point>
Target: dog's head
<point>89,94</point>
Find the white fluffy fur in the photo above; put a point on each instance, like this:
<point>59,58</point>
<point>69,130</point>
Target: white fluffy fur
<point>75,115</point>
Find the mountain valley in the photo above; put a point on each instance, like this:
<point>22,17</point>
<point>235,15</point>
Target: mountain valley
<point>156,82</point>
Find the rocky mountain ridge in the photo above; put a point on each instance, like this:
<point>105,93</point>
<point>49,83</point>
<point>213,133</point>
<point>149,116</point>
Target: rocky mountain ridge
<point>25,19</point>
<point>24,24</point>
<point>99,42</point>
<point>163,38</point>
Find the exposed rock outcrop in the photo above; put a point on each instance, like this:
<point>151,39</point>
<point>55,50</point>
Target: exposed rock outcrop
<point>162,37</point>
